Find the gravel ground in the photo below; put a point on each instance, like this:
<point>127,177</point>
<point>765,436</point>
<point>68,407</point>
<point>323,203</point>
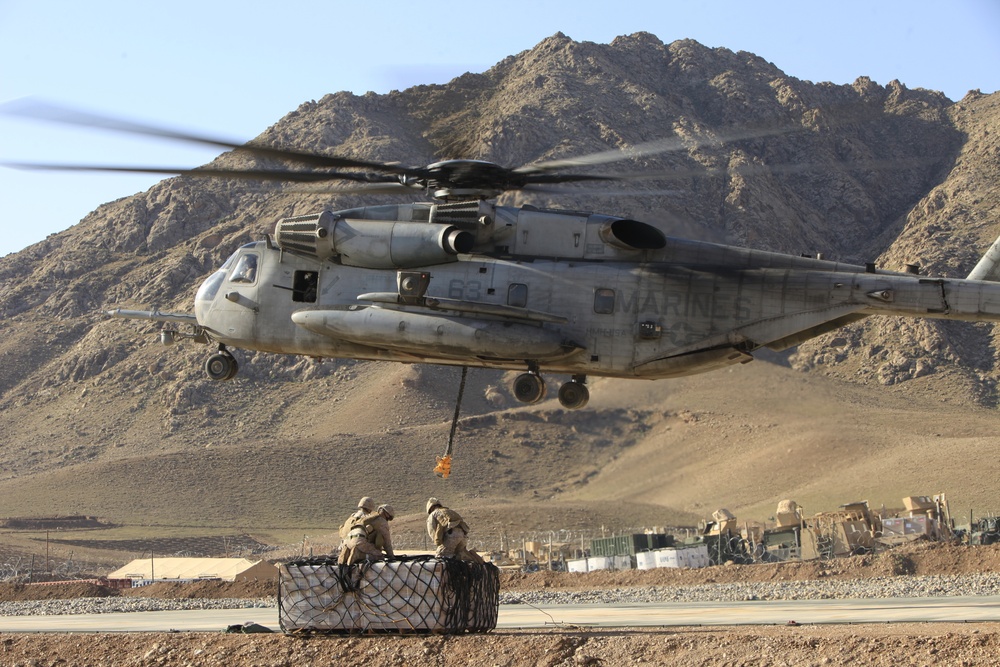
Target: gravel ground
<point>115,605</point>
<point>874,588</point>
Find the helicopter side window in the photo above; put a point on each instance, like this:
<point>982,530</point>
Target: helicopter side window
<point>304,286</point>
<point>517,295</point>
<point>246,270</point>
<point>604,301</point>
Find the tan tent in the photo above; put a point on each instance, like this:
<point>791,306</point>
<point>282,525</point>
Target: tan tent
<point>174,569</point>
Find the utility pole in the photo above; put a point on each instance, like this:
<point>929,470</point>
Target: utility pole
<point>550,551</point>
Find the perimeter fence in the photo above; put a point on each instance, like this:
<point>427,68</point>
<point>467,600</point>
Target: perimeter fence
<point>530,549</point>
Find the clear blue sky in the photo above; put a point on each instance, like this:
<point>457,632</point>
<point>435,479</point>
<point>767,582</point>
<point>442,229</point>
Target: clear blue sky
<point>233,68</point>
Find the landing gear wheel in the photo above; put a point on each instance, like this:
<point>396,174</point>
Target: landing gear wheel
<point>529,388</point>
<point>573,395</point>
<point>221,366</point>
<point>235,368</point>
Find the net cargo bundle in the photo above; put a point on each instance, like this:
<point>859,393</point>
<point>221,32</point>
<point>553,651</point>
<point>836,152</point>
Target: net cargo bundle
<point>408,594</point>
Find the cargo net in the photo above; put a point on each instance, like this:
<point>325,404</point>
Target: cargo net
<point>407,594</point>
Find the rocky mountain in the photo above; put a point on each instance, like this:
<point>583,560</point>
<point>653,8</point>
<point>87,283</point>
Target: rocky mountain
<point>98,419</point>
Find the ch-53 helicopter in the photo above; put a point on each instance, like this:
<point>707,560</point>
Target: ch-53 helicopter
<point>460,280</point>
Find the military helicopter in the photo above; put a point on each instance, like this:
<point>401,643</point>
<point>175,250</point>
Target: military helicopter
<point>460,280</point>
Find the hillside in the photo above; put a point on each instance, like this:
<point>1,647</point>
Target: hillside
<point>98,419</point>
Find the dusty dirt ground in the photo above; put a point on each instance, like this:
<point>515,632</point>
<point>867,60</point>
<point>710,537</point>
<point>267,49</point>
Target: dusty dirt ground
<point>895,645</point>
<point>889,645</point>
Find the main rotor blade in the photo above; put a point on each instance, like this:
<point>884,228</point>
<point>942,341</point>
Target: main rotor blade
<point>588,192</point>
<point>537,179</point>
<point>209,172</point>
<point>766,169</point>
<point>38,110</point>
<point>362,189</point>
<point>655,147</point>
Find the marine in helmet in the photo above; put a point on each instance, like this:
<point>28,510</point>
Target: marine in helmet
<point>383,540</point>
<point>368,536</point>
<point>365,506</point>
<point>449,531</point>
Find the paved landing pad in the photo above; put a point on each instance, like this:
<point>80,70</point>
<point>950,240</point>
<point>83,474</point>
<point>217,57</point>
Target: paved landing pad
<point>900,610</point>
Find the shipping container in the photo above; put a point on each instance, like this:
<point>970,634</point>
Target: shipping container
<point>660,540</point>
<point>629,545</point>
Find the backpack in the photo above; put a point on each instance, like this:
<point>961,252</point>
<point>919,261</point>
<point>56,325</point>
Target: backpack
<point>366,523</point>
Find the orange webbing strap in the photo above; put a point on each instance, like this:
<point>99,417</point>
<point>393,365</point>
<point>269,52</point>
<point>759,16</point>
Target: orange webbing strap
<point>443,467</point>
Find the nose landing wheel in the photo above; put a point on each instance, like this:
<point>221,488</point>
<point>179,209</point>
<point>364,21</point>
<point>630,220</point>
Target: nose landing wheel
<point>221,366</point>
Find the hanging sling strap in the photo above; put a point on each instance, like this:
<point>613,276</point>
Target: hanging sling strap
<point>443,467</point>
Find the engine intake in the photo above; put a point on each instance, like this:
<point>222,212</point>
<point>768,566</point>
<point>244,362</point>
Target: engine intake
<point>632,235</point>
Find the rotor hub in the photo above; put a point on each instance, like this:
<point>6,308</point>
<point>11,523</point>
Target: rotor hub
<point>467,179</point>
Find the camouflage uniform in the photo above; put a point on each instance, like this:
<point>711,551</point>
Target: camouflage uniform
<point>381,537</point>
<point>448,530</point>
<point>365,506</point>
<point>368,537</point>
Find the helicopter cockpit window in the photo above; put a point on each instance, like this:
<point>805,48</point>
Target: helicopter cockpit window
<point>246,270</point>
<point>517,295</point>
<point>304,286</point>
<point>604,301</point>
<point>210,287</point>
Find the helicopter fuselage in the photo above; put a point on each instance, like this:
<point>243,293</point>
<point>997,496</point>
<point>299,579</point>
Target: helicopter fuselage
<point>542,290</point>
